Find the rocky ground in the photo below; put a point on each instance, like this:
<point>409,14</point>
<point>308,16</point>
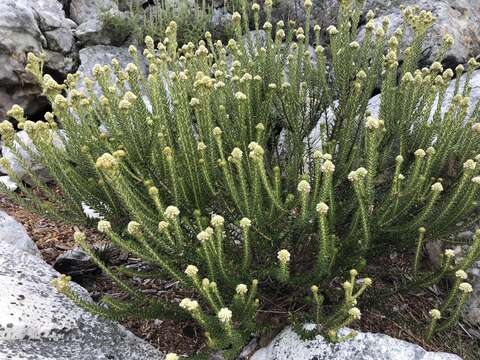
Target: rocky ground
<point>408,313</point>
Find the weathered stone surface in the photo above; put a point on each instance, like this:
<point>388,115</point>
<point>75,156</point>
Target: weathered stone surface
<point>84,10</point>
<point>93,32</point>
<point>38,323</point>
<point>14,234</point>
<point>458,17</point>
<point>76,263</point>
<point>31,26</point>
<point>102,54</point>
<point>9,184</point>
<point>374,103</point>
<point>471,313</point>
<point>28,157</point>
<point>288,346</point>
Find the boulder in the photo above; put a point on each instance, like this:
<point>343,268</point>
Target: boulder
<point>8,183</point>
<point>471,313</point>
<point>457,17</point>
<point>288,346</point>
<point>32,26</point>
<point>36,322</point>
<point>374,103</point>
<point>29,156</point>
<point>94,32</point>
<point>84,10</point>
<point>77,264</point>
<point>14,234</point>
<point>101,54</point>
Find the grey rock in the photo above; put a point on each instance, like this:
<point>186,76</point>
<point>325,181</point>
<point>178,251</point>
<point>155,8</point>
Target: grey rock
<point>60,40</point>
<point>288,346</point>
<point>102,54</point>
<point>471,313</point>
<point>14,234</point>
<point>76,263</point>
<point>374,103</point>
<point>38,323</point>
<point>9,184</point>
<point>93,32</point>
<point>31,26</point>
<point>29,161</point>
<point>459,18</point>
<point>220,17</point>
<point>27,96</point>
<point>84,10</point>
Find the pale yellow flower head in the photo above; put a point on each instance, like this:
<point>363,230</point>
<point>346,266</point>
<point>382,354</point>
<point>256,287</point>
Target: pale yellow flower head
<point>283,256</point>
<point>303,187</point>
<point>355,313</point>
<point>241,289</point>
<point>191,270</point>
<point>171,212</point>
<point>104,226</point>
<point>322,208</point>
<point>435,314</point>
<point>224,315</point>
<point>465,287</point>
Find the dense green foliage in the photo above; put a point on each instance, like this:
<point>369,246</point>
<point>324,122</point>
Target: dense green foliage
<point>137,22</point>
<point>210,160</point>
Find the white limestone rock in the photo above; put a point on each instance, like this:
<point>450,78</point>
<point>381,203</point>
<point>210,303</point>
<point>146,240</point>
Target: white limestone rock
<point>84,10</point>
<point>32,26</point>
<point>38,323</point>
<point>93,31</point>
<point>288,346</point>
<point>374,103</point>
<point>8,183</point>
<point>103,55</point>
<point>29,156</point>
<point>471,312</point>
<point>14,234</point>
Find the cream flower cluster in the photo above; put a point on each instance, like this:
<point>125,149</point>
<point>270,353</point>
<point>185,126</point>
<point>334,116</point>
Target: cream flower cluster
<point>245,223</point>
<point>104,226</point>
<point>327,166</point>
<point>189,304</point>
<point>241,289</point>
<point>322,208</point>
<point>256,151</point>
<point>358,174</point>
<point>437,187</point>
<point>303,187</point>
<point>204,235</point>
<point>191,271</point>
<point>355,313</point>
<point>106,162</point>
<point>283,256</point>
<point>435,314</point>
<point>171,212</point>
<point>217,220</point>
<point>224,315</point>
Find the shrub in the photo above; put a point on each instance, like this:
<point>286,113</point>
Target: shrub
<point>194,18</point>
<point>206,170</point>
